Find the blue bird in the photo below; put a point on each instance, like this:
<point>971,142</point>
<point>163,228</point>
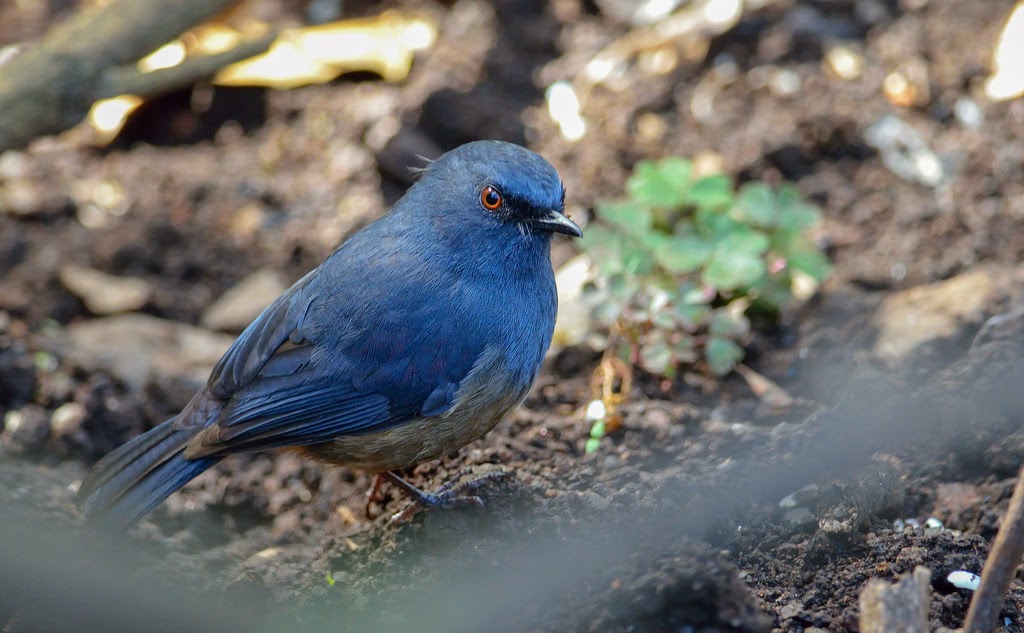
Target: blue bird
<point>415,337</point>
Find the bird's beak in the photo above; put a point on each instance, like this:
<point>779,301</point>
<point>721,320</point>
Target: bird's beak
<point>557,222</point>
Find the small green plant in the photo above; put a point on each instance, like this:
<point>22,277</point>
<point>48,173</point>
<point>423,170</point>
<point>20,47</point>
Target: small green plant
<point>683,261</point>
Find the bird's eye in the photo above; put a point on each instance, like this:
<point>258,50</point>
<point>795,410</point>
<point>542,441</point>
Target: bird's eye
<point>490,198</point>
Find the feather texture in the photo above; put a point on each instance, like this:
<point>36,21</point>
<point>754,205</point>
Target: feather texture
<point>414,337</point>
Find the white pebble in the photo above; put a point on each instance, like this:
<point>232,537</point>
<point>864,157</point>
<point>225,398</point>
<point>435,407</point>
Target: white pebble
<point>595,410</point>
<point>964,580</point>
<point>968,113</point>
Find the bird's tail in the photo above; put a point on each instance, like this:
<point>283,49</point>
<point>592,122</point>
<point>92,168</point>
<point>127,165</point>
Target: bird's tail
<point>133,479</point>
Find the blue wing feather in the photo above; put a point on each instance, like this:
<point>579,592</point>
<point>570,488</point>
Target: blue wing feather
<point>291,380</point>
<point>385,331</point>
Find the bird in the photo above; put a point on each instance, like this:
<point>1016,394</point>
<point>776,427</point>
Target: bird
<point>415,337</point>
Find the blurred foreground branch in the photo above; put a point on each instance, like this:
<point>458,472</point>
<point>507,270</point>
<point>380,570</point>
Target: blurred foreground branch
<point>51,86</point>
<point>1001,566</point>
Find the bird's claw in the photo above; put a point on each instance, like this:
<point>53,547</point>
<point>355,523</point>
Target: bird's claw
<point>452,494</point>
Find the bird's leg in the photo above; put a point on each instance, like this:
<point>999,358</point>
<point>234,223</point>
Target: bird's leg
<point>452,494</point>
<point>373,495</point>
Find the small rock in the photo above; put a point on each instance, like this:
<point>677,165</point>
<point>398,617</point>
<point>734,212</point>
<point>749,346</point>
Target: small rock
<point>595,501</point>
<point>904,151</point>
<point>243,302</point>
<point>67,419</point>
<point>25,430</point>
<point>958,498</point>
<point>138,348</point>
<point>845,61</point>
<point>799,519</point>
<point>247,221</point>
<point>802,498</point>
<point>31,198</point>
<point>791,610</point>
<point>908,85</point>
<point>105,294</point>
<point>912,556</point>
<point>910,318</point>
<point>287,525</point>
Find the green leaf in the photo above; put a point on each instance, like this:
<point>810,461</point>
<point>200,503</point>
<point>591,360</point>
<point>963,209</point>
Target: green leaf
<point>755,205</point>
<point>592,445</point>
<point>692,316</point>
<point>683,254</point>
<point>620,287</point>
<point>810,261</point>
<point>656,358</point>
<point>743,240</point>
<point>636,259</point>
<point>715,224</point>
<point>607,313</point>
<point>712,192</point>
<point>660,184</point>
<point>685,349</point>
<point>631,217</point>
<point>795,215</point>
<point>691,294</point>
<point>664,320</point>
<point>722,355</point>
<point>729,325</point>
<point>653,240</point>
<point>773,292</point>
<point>604,248</point>
<point>729,270</point>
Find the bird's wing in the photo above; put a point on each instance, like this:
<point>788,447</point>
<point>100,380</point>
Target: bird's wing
<point>282,322</point>
<point>306,395</point>
<point>317,365</point>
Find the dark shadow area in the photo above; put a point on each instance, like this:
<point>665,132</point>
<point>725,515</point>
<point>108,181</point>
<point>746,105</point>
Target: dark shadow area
<point>192,115</point>
<point>491,109</point>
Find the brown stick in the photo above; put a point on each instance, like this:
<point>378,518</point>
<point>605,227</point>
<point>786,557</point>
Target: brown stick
<point>50,87</point>
<point>129,80</point>
<point>1000,567</point>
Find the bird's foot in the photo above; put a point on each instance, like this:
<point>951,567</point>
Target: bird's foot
<point>452,494</point>
<point>373,496</point>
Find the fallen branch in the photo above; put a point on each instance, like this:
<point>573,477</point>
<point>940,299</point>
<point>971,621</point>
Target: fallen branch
<point>129,80</point>
<point>50,86</point>
<point>1001,566</point>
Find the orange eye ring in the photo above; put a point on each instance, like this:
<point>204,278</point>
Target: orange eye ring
<point>491,198</point>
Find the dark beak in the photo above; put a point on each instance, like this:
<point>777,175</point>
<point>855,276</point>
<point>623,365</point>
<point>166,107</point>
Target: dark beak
<point>557,222</point>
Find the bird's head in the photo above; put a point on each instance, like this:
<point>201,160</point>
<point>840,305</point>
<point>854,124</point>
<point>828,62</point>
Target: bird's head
<point>493,182</point>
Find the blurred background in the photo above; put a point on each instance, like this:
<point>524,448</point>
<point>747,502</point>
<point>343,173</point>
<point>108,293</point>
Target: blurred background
<point>768,384</point>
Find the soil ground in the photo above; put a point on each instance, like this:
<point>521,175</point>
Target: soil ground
<point>675,524</point>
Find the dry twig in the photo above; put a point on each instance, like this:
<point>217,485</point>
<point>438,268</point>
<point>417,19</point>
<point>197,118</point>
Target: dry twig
<point>1001,566</point>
